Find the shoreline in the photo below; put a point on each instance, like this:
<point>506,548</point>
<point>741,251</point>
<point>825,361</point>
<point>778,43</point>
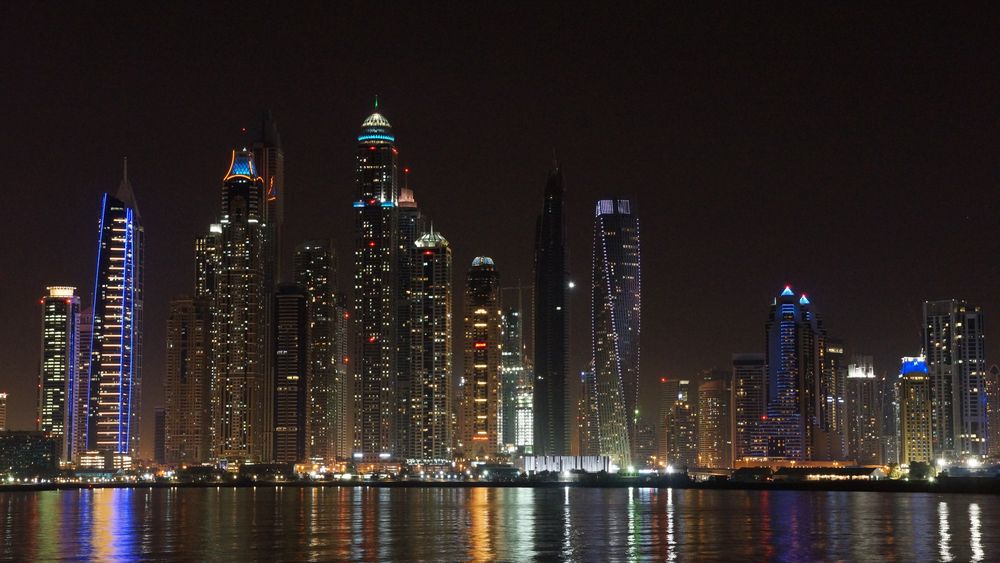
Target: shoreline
<point>941,486</point>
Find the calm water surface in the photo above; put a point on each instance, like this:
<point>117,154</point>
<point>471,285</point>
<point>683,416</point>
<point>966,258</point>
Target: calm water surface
<point>486,524</point>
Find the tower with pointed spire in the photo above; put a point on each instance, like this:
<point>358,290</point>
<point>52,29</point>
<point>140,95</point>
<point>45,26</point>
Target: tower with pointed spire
<point>116,333</point>
<point>551,398</point>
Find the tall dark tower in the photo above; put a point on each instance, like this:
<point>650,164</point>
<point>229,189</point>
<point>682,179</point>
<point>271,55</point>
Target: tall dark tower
<point>617,300</point>
<point>239,329</point>
<point>116,337</point>
<point>375,290</point>
<point>291,374</point>
<point>551,336</point>
<point>412,226</point>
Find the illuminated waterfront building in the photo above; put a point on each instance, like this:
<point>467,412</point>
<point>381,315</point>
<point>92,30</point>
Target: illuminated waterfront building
<point>830,429</point>
<point>796,345</point>
<point>992,385</point>
<point>863,413</point>
<point>511,372</point>
<point>238,310</point>
<point>587,416</point>
<point>956,361</point>
<point>915,411</point>
<point>481,375</point>
<point>551,392</point>
<point>57,380</point>
<point>3,412</point>
<point>616,305</point>
<point>681,422</point>
<point>430,392</point>
<point>116,337</point>
<point>376,290</point>
<point>715,443</point>
<point>411,226</point>
<point>749,405</point>
<point>291,374</point>
<point>81,393</point>
<point>316,272</point>
<point>188,385</point>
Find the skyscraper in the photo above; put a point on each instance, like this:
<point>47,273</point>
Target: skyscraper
<point>430,389</point>
<point>376,290</point>
<point>188,385</point>
<point>616,307</point>
<point>411,226</point>
<point>116,337</point>
<point>588,417</point>
<point>864,413</point>
<point>715,443</point>
<point>992,385</point>
<point>915,411</point>
<point>159,435</point>
<point>956,360</point>
<point>316,272</point>
<point>796,345</point>
<point>239,315</point>
<point>749,405</point>
<point>511,372</point>
<point>57,380</point>
<point>481,374</point>
<point>81,393</point>
<point>830,430</point>
<point>681,423</point>
<point>3,412</point>
<point>551,394</point>
<point>291,374</point>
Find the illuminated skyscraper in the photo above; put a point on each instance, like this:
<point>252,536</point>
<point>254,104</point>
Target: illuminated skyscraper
<point>81,392</point>
<point>587,416</point>
<point>239,315</point>
<point>116,338</point>
<point>188,385</point>
<point>956,361</point>
<point>430,389</point>
<point>715,444</point>
<point>616,305</point>
<point>915,411</point>
<point>57,380</point>
<point>796,346</point>
<point>749,405</point>
<point>412,225</point>
<point>511,372</point>
<point>481,375</point>
<point>376,290</point>
<point>291,374</point>
<point>316,272</point>
<point>681,423</point>
<point>992,385</point>
<point>551,392</point>
<point>3,412</point>
<point>863,413</point>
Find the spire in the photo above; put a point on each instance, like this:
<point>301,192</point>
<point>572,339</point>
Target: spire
<point>788,291</point>
<point>125,193</point>
<point>376,102</point>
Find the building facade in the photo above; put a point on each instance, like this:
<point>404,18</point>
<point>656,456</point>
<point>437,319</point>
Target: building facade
<point>292,376</point>
<point>188,385</point>
<point>116,334</point>
<point>715,442</point>
<point>58,378</point>
<point>916,411</point>
<point>864,413</point>
<point>616,324</point>
<point>481,375</point>
<point>749,405</point>
<point>551,391</point>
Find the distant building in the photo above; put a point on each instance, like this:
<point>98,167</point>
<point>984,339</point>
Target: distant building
<point>992,385</point>
<point>481,380</point>
<point>864,414</point>
<point>81,393</point>
<point>3,412</point>
<point>645,445</point>
<point>615,323</point>
<point>26,454</point>
<point>715,443</point>
<point>681,423</point>
<point>889,438</point>
<point>291,373</point>
<point>749,405</point>
<point>956,361</point>
<point>159,435</point>
<point>915,411</point>
<point>588,433</point>
<point>57,380</point>
<point>511,373</point>
<point>532,464</point>
<point>830,432</point>
<point>116,341</point>
<point>188,385</point>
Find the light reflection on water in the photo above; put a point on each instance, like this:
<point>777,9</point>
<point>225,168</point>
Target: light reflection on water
<point>515,524</point>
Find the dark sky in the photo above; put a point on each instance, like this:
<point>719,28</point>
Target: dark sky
<point>851,154</point>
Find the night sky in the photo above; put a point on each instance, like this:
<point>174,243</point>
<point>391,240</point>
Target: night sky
<point>850,154</point>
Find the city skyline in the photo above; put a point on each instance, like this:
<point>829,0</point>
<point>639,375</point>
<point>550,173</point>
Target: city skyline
<point>178,200</point>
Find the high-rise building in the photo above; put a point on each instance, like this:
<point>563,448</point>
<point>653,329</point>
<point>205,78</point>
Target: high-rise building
<point>796,348</point>
<point>616,304</point>
<point>57,380</point>
<point>551,392</point>
<point>992,385</point>
<point>481,375</point>
<point>749,405</point>
<point>291,373</point>
<point>915,411</point>
<point>238,310</point>
<point>81,392</point>
<point>411,226</point>
<point>830,429</point>
<point>645,445</point>
<point>956,361</point>
<point>3,412</point>
<point>343,398</point>
<point>524,410</point>
<point>376,291</point>
<point>588,417</point>
<point>889,439</point>
<point>511,372</point>
<point>715,442</point>
<point>159,435</point>
<point>116,337</point>
<point>188,385</point>
<point>430,390</point>
<point>681,423</point>
<point>863,413</point>
<point>316,272</point>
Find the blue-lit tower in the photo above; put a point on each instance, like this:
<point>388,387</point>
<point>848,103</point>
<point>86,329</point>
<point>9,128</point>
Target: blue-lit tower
<point>376,290</point>
<point>116,336</point>
<point>616,305</point>
<point>916,411</point>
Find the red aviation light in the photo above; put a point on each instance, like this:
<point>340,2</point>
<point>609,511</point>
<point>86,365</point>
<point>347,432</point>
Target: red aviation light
<point>428,252</point>
<point>372,244</point>
<point>347,315</point>
<point>371,148</point>
<point>394,151</point>
<point>663,380</point>
<point>347,360</point>
<point>480,345</point>
<point>371,339</point>
<point>763,417</point>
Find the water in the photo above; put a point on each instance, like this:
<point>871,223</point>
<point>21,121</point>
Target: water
<point>513,524</point>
